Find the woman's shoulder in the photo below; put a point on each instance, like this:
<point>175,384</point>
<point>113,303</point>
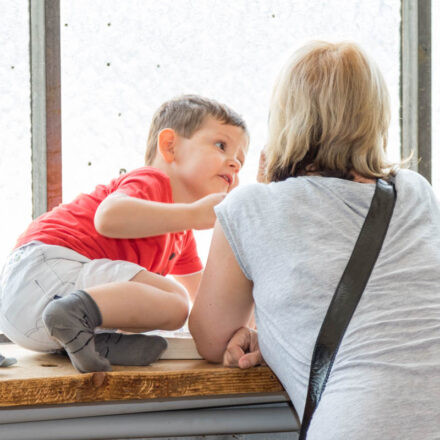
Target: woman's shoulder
<point>411,182</point>
<point>263,192</point>
<point>242,196</point>
<point>246,190</point>
<point>260,191</point>
<point>406,175</point>
<point>317,187</point>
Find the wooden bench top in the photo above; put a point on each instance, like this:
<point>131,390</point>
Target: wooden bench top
<point>43,379</point>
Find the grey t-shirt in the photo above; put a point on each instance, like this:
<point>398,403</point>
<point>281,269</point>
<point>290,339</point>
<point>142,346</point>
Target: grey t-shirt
<point>293,240</point>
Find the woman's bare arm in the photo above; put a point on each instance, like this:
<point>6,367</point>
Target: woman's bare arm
<point>190,282</point>
<point>224,301</point>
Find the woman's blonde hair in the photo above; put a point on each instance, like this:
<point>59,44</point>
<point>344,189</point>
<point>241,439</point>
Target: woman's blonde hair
<point>329,115</point>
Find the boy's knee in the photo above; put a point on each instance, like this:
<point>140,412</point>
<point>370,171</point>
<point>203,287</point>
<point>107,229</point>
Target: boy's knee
<point>182,292</point>
<point>179,314</point>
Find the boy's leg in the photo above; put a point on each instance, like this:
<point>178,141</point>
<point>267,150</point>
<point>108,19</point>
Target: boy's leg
<point>123,349</point>
<point>72,321</point>
<point>146,302</point>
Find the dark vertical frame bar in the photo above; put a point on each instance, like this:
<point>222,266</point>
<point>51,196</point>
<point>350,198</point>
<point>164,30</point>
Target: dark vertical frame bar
<point>415,84</point>
<point>425,88</point>
<point>45,104</point>
<point>53,104</point>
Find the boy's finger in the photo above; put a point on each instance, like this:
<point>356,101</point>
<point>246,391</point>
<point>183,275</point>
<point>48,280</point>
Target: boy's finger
<point>217,197</point>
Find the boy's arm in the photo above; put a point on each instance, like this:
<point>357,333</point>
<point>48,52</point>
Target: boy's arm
<point>190,282</point>
<point>121,216</point>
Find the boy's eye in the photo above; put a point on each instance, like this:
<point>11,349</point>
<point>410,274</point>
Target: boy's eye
<point>221,145</point>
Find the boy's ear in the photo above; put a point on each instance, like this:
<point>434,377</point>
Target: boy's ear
<point>166,141</point>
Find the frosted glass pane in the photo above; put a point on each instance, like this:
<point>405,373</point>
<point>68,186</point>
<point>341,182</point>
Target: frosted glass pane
<point>436,97</point>
<point>121,60</point>
<point>15,137</point>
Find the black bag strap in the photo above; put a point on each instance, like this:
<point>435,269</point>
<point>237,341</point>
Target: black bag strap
<point>347,295</point>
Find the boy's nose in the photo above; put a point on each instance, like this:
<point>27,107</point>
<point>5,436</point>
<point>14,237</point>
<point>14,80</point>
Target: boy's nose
<point>236,164</point>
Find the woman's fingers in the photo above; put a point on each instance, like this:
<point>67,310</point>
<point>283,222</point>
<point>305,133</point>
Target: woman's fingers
<point>242,350</point>
<point>261,167</point>
<point>236,348</point>
<point>241,338</point>
<point>232,355</point>
<point>250,360</point>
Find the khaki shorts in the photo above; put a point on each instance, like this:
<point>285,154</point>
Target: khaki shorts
<point>37,273</point>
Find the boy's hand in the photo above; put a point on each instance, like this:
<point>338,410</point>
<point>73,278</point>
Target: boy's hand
<point>242,350</point>
<point>204,215</point>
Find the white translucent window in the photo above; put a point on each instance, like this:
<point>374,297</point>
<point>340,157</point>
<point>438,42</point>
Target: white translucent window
<point>15,135</point>
<point>121,60</point>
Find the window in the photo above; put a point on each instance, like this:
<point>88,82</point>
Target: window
<point>121,60</point>
<point>15,160</point>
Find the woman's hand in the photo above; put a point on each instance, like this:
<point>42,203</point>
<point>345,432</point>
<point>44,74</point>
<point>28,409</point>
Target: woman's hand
<point>261,168</point>
<point>242,350</point>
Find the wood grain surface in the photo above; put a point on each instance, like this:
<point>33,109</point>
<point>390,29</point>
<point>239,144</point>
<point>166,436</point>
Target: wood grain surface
<point>43,379</point>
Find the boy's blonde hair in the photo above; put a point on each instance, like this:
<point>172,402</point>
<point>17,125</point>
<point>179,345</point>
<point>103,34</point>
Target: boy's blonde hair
<point>185,114</point>
<point>329,115</point>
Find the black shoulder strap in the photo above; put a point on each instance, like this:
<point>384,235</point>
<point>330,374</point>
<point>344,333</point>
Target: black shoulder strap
<point>347,295</point>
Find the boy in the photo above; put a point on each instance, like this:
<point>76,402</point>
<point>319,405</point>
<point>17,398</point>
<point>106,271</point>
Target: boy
<point>100,261</point>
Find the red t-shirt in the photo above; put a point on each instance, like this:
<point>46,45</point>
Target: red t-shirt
<point>72,225</point>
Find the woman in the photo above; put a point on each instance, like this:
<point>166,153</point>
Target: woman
<point>282,246</point>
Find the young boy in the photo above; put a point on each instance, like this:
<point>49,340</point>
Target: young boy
<point>100,260</point>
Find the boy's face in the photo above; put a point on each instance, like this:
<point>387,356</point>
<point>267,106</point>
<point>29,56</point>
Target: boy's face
<point>209,161</point>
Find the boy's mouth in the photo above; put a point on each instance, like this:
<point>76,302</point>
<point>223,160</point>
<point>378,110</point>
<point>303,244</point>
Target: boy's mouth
<point>227,178</point>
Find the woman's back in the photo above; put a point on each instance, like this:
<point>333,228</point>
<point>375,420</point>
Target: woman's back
<point>293,239</point>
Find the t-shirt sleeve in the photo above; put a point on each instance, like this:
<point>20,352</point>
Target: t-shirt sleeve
<point>230,215</point>
<point>189,261</point>
<point>144,185</point>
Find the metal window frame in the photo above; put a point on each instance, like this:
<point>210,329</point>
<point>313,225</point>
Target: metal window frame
<point>45,65</point>
<point>415,85</point>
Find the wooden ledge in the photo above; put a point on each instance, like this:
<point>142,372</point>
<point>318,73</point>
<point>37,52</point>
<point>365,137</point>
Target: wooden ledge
<point>43,379</point>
